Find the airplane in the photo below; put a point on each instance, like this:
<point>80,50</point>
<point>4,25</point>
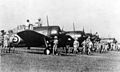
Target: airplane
<point>41,37</point>
<point>93,37</point>
<point>80,35</point>
<point>51,31</point>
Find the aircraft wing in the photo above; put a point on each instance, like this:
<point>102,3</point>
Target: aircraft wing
<point>32,38</point>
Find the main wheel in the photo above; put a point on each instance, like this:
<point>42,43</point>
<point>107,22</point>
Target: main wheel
<point>47,51</point>
<point>28,48</point>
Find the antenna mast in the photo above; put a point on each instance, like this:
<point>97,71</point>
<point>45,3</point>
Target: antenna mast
<point>47,20</point>
<point>83,30</point>
<point>74,29</point>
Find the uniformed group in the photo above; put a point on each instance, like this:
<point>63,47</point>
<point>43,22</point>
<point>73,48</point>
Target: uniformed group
<point>89,47</point>
<point>5,41</point>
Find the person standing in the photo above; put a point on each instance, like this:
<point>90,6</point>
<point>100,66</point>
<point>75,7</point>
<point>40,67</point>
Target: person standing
<point>84,47</point>
<point>89,45</point>
<point>2,41</point>
<point>68,45</point>
<point>6,38</point>
<point>76,45</point>
<point>98,46</point>
<point>106,47</point>
<point>55,45</point>
<point>39,23</point>
<point>27,24</point>
<point>2,34</point>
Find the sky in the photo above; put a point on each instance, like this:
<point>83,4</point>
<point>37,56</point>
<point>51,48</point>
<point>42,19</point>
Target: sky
<point>102,16</point>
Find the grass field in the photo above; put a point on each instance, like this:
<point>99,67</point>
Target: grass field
<point>29,62</point>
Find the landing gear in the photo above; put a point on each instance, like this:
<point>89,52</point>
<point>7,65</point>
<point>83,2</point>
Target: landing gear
<point>47,51</point>
<point>28,48</point>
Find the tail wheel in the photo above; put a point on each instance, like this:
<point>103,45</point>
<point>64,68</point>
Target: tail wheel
<point>47,51</point>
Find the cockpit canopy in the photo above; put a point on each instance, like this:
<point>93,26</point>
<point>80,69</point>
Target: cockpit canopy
<point>48,30</point>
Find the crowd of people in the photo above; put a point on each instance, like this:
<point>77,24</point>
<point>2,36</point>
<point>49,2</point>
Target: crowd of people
<point>5,41</point>
<point>87,45</point>
<point>98,46</point>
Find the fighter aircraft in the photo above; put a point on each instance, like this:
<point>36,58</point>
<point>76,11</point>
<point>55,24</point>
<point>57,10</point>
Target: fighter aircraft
<point>41,37</point>
<point>80,35</point>
<point>93,37</point>
<point>51,31</point>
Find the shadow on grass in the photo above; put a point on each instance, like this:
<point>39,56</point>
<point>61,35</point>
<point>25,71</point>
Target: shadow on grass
<point>61,54</point>
<point>64,54</point>
<point>36,52</point>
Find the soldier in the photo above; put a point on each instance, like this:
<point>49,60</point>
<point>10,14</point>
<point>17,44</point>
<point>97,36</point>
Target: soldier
<point>76,45</point>
<point>68,45</point>
<point>39,23</point>
<point>114,48</point>
<point>30,26</point>
<point>95,46</point>
<point>102,47</point>
<point>106,47</point>
<point>98,46</point>
<point>84,46</point>
<point>3,32</point>
<point>6,38</point>
<point>2,41</point>
<point>55,45</point>
<point>109,46</point>
<point>11,38</point>
<point>27,24</point>
<point>89,45</point>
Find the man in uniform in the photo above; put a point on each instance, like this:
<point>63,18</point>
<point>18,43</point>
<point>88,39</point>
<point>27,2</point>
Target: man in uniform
<point>6,38</point>
<point>89,45</point>
<point>84,47</point>
<point>39,23</point>
<point>55,45</point>
<point>76,45</point>
<point>27,24</point>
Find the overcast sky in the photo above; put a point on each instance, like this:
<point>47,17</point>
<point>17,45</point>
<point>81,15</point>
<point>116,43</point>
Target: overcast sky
<point>102,16</point>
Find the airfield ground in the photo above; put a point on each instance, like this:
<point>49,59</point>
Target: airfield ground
<point>28,62</point>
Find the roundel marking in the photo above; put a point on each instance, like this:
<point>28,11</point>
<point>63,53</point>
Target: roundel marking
<point>15,39</point>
